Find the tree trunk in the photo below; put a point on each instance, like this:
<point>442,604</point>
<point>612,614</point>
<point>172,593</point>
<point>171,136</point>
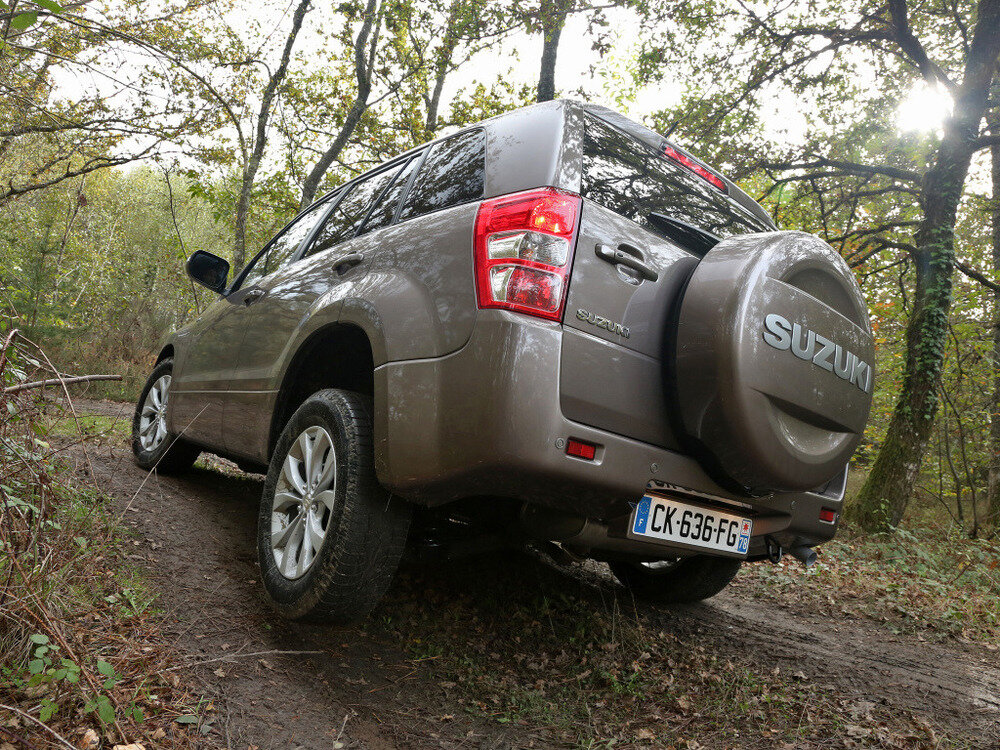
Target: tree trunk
<point>260,140</point>
<point>434,102</point>
<point>553,19</point>
<point>315,176</point>
<point>242,211</point>
<point>442,65</point>
<point>364,62</point>
<point>994,481</point>
<point>883,498</point>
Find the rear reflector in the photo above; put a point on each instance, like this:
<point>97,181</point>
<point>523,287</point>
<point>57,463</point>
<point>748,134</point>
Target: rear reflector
<point>524,250</point>
<point>581,449</point>
<point>828,516</point>
<point>693,165</point>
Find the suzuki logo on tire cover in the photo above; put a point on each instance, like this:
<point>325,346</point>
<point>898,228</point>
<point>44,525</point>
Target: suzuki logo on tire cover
<point>809,345</point>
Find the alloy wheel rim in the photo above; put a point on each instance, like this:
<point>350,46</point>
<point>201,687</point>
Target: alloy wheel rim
<point>304,501</point>
<point>153,417</point>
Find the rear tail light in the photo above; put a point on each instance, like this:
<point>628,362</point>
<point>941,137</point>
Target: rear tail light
<point>524,250</point>
<point>693,165</point>
<point>826,515</point>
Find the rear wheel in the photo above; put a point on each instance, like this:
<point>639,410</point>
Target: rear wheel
<point>687,579</point>
<point>152,445</point>
<point>329,537</point>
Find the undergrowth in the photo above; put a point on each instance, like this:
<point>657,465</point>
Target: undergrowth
<point>933,581</point>
<point>82,661</point>
<point>569,658</point>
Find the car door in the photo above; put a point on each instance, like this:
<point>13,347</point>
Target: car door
<point>207,350</point>
<point>332,256</point>
<point>202,379</point>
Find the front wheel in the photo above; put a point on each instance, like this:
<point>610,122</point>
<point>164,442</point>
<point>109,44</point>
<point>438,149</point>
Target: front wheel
<point>329,537</point>
<point>152,445</point>
<point>687,579</point>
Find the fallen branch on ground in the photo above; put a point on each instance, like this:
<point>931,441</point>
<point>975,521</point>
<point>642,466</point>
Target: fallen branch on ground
<point>60,381</point>
<point>231,657</point>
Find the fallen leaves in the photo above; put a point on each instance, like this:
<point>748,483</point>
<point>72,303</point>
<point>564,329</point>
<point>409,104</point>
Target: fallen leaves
<point>89,741</point>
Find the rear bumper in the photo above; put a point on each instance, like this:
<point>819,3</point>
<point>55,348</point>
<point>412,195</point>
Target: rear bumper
<point>486,421</point>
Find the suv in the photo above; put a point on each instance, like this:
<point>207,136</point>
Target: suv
<point>554,327</point>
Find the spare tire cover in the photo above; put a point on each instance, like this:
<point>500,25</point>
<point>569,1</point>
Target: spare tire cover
<point>773,371</point>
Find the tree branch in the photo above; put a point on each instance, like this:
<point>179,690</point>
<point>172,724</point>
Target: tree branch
<point>895,173</point>
<point>975,275</point>
<point>911,46</point>
<point>60,381</point>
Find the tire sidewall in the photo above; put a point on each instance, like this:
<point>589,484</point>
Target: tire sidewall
<point>294,597</point>
<point>149,459</point>
<point>691,579</point>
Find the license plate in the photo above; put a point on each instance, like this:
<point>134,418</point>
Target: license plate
<point>691,526</point>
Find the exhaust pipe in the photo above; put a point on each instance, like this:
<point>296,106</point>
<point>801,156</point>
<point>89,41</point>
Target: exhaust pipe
<point>805,555</point>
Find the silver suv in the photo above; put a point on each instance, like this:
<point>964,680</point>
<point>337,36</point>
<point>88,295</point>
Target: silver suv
<point>555,327</point>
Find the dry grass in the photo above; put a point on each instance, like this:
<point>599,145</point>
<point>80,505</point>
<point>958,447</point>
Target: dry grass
<point>81,649</point>
<point>930,580</point>
<point>521,644</point>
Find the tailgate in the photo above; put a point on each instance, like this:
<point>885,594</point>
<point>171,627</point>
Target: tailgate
<point>628,272</point>
<point>616,328</point>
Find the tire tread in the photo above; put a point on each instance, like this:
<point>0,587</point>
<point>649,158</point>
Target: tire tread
<point>352,575</point>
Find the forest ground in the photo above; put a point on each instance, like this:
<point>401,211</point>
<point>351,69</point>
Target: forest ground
<point>510,651</point>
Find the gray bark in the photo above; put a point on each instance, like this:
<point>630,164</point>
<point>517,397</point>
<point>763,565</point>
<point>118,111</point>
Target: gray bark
<point>252,163</point>
<point>886,493</point>
<point>994,475</point>
<point>553,19</point>
<point>363,65</point>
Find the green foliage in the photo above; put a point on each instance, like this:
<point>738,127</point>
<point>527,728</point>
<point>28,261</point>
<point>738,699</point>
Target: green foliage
<point>95,268</point>
<point>74,625</point>
<point>936,582</point>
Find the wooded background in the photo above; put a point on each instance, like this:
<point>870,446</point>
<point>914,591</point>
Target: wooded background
<point>132,134</point>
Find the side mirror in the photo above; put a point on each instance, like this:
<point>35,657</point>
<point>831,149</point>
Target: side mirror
<point>208,270</point>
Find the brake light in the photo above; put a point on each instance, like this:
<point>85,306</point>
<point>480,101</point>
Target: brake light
<point>826,515</point>
<point>693,166</point>
<point>524,250</point>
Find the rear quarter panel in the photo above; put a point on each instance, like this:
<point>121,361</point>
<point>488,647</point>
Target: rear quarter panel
<point>419,299</point>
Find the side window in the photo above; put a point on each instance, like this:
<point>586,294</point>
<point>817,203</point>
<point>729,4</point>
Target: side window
<point>453,173</point>
<point>385,209</point>
<point>282,247</point>
<point>343,222</point>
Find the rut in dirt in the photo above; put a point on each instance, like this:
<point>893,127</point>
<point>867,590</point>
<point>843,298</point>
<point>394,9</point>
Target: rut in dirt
<point>286,685</point>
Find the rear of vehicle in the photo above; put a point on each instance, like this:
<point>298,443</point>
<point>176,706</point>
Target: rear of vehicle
<point>654,371</point>
<point>554,326</point>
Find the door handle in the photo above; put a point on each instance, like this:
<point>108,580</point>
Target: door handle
<point>346,262</point>
<point>621,258</point>
<point>252,296</point>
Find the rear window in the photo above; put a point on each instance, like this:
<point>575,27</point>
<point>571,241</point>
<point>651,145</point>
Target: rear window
<point>343,222</point>
<point>454,173</point>
<point>631,179</point>
<point>384,211</point>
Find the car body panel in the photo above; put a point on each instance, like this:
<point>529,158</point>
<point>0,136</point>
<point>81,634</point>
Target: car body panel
<point>471,402</point>
<point>487,419</point>
<point>205,355</point>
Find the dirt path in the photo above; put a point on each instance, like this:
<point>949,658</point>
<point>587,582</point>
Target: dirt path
<point>282,685</point>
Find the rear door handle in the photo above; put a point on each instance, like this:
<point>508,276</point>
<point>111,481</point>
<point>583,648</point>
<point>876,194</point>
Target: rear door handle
<point>252,296</point>
<point>346,262</point>
<point>621,258</point>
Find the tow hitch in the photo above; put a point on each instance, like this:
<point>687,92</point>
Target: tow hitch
<point>801,552</point>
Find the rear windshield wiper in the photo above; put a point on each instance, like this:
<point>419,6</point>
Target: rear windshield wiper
<point>696,240</point>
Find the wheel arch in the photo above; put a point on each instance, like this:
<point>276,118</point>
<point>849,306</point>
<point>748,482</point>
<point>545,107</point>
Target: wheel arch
<point>165,353</point>
<point>338,355</point>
